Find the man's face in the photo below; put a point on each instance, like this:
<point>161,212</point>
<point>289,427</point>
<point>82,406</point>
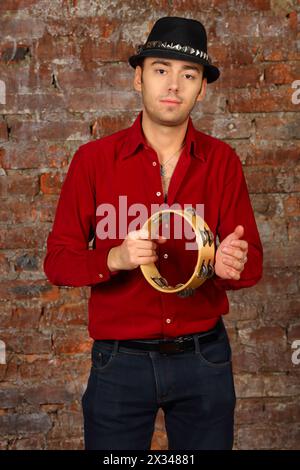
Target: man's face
<point>170,89</point>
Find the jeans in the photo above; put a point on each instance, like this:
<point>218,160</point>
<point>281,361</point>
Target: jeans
<point>126,387</point>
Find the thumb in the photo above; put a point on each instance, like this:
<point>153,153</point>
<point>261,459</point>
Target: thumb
<point>238,232</point>
<point>235,235</point>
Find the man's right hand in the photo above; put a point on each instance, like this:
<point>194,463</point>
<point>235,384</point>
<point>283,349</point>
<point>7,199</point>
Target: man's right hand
<point>136,249</point>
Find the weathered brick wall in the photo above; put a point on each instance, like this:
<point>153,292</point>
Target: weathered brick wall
<point>63,64</point>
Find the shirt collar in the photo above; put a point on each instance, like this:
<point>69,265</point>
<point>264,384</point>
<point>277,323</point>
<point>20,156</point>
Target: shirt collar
<point>136,138</point>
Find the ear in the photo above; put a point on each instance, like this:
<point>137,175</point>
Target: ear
<point>137,81</point>
<point>202,92</point>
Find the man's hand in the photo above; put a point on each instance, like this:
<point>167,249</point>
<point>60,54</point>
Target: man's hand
<point>136,249</point>
<point>231,255</point>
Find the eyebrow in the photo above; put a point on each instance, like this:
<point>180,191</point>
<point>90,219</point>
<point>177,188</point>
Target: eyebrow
<point>184,67</point>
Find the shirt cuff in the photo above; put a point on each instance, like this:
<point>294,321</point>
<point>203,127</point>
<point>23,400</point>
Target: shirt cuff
<point>97,266</point>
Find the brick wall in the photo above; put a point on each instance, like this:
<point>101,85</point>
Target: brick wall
<point>64,81</point>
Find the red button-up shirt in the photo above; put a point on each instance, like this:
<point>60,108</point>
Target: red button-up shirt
<point>121,170</point>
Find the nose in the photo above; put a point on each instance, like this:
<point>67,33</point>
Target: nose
<point>173,84</point>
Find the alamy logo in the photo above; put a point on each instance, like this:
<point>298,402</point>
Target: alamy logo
<point>2,352</point>
<point>2,92</point>
<point>296,94</point>
<point>296,353</point>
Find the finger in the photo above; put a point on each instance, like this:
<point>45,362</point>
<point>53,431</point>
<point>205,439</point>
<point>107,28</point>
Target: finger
<point>242,244</point>
<point>144,244</point>
<point>147,259</point>
<point>142,234</point>
<point>142,253</point>
<point>232,274</point>
<point>235,253</point>
<point>229,261</point>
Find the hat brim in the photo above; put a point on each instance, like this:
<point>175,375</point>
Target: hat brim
<point>212,73</point>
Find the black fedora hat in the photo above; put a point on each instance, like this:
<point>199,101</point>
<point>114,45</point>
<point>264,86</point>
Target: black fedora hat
<point>178,38</point>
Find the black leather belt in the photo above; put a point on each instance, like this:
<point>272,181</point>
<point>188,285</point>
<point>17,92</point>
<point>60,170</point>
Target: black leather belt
<point>165,346</point>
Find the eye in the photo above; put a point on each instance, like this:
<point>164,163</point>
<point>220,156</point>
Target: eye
<point>160,70</point>
<point>191,77</point>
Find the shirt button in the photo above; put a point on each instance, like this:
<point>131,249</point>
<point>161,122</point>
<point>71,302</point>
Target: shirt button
<point>158,193</point>
<point>168,320</point>
<point>101,275</point>
<point>166,255</point>
<point>154,163</point>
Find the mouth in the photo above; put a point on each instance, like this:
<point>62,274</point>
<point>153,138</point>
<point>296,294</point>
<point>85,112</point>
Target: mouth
<point>172,102</point>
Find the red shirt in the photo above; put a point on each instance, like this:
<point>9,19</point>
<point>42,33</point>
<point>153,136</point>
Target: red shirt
<point>123,305</point>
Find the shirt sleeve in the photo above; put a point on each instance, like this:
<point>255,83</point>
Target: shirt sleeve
<point>236,209</point>
<point>69,261</point>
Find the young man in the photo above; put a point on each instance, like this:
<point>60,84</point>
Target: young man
<point>153,349</point>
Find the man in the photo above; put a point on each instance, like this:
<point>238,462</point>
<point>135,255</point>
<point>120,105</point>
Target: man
<point>154,350</point>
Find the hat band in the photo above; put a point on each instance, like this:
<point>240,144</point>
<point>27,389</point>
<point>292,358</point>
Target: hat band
<point>176,47</point>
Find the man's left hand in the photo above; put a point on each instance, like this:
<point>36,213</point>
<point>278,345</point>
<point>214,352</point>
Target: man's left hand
<point>231,255</point>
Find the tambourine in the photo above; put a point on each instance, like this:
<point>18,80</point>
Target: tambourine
<point>204,268</point>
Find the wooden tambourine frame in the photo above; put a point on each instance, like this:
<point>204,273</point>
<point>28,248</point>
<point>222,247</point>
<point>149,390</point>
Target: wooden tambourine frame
<point>204,268</point>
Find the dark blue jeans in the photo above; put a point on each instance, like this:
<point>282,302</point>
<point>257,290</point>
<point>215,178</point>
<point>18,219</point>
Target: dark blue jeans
<point>126,388</point>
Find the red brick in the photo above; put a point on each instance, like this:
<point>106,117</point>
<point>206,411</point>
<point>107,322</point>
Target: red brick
<point>45,206</point>
<point>292,205</point>
<point>282,154</point>
<point>35,156</point>
<point>10,397</point>
<point>272,179</point>
<point>282,385</point>
<point>63,443</point>
<point>277,255</point>
<point>281,280</point>
<point>286,129</point>
<point>3,131</point>
<point>67,424</point>
<point>51,183</point>
<point>20,289</point>
<point>105,51</point>
<point>23,237</point>
<point>35,442</point>
<point>27,342</point>
<point>16,5</point>
<point>45,393</point>
<point>50,131</point>
<point>281,310</point>
<point>278,50</point>
<point>294,332</point>
<point>72,342</point>
<point>4,265</point>
<point>106,125</point>
<point>293,228</point>
<point>249,411</point>
<point>27,423</point>
<point>249,385</point>
<point>16,183</point>
<point>21,28</point>
<point>25,317</point>
<point>225,127</point>
<point>246,5</point>
<point>16,211</point>
<point>283,73</point>
<point>263,100</point>
<point>104,100</point>
<point>269,437</point>
<point>70,314</point>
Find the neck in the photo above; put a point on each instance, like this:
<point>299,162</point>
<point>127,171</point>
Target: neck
<point>165,140</point>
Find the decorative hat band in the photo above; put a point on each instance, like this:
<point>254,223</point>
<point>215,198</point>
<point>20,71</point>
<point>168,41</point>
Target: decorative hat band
<point>175,47</point>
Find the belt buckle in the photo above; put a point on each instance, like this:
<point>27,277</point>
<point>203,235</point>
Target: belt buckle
<point>171,347</point>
